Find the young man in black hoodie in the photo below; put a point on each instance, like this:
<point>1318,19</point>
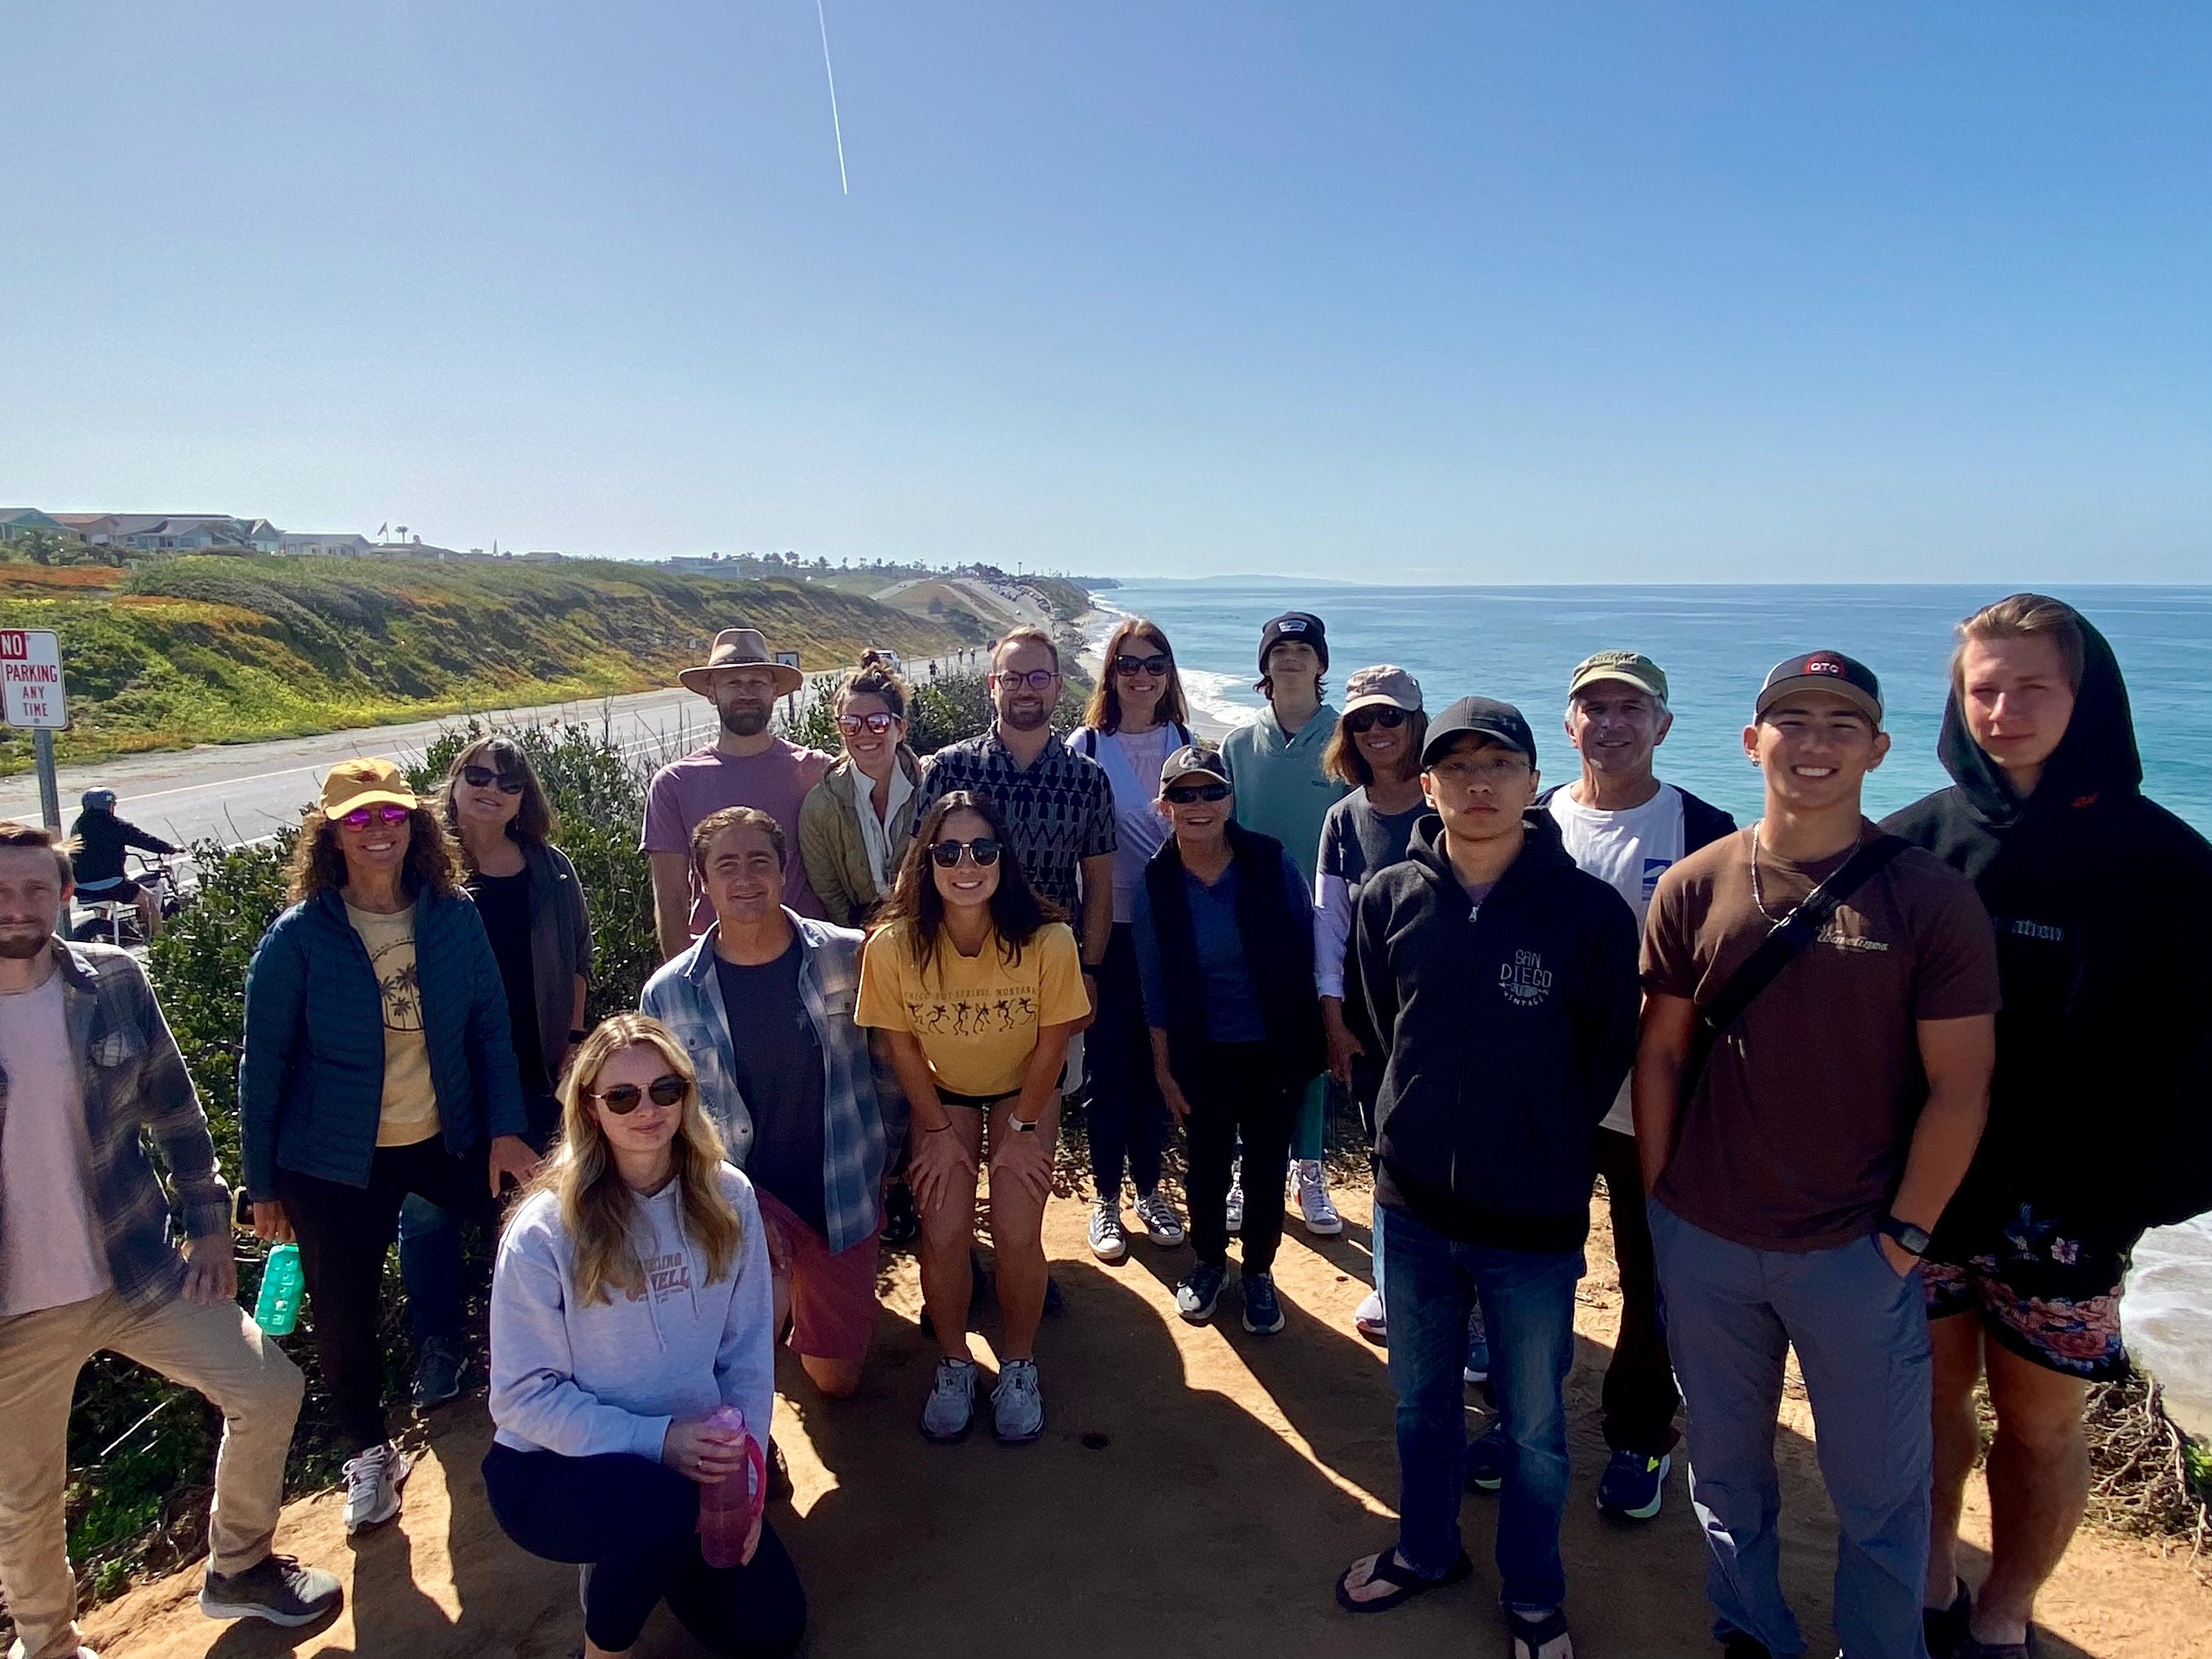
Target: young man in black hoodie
<point>2097,1126</point>
<point>1498,982</point>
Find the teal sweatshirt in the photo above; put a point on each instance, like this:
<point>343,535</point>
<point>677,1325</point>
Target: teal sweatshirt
<point>1280,788</point>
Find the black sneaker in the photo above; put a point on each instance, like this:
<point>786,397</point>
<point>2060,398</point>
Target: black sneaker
<point>1263,1309</point>
<point>276,1588</point>
<point>438,1369</point>
<point>1485,1461</point>
<point>1199,1291</point>
<point>1944,1629</point>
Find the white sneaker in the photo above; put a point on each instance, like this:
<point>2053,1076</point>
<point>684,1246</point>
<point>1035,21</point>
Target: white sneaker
<point>1370,1320</point>
<point>1320,1216</point>
<point>951,1404</point>
<point>1162,1224</point>
<point>372,1483</point>
<point>1017,1403</point>
<point>1108,1242</point>
<point>1236,1207</point>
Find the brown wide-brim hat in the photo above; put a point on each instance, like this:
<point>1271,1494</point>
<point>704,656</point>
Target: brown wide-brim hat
<point>740,647</point>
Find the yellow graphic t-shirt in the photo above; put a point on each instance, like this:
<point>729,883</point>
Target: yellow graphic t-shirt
<point>977,1016</point>
<point>411,1100</point>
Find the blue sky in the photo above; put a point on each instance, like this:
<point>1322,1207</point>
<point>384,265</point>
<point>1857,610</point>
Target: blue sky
<point>1529,292</point>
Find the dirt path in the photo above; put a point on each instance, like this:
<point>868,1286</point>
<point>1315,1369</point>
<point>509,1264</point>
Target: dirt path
<point>1198,1489</point>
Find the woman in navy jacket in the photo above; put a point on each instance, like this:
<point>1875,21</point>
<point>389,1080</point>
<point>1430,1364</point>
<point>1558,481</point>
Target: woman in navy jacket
<point>377,1063</point>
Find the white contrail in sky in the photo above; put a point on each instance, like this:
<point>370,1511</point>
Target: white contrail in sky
<point>834,125</point>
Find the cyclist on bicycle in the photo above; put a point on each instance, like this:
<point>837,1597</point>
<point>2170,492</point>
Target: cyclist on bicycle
<point>100,838</point>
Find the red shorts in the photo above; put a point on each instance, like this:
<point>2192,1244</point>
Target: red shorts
<point>833,1297</point>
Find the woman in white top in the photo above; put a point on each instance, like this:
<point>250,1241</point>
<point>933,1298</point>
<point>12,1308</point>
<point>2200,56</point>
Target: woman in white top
<point>1136,719</point>
<point>855,824</point>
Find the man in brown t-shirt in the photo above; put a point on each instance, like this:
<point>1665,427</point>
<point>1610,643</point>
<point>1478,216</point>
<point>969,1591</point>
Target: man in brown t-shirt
<point>1795,1180</point>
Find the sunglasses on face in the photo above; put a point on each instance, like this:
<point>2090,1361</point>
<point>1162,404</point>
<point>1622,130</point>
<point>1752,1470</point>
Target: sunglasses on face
<point>361,817</point>
<point>879,723</point>
<point>1037,679</point>
<point>984,849</point>
<point>482,777</point>
<point>1156,664</point>
<point>1389,718</point>
<point>624,1098</point>
<point>1183,794</point>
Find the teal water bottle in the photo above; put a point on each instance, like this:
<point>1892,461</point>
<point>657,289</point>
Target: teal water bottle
<point>277,1310</point>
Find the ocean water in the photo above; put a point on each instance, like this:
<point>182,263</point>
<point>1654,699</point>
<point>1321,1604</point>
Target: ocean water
<point>1716,644</point>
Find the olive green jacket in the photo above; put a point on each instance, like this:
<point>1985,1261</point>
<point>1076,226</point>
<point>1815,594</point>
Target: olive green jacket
<point>830,843</point>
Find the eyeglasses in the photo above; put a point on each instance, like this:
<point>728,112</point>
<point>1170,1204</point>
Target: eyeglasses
<point>482,777</point>
<point>1389,716</point>
<point>361,817</point>
<point>984,849</point>
<point>879,723</point>
<point>1469,773</point>
<point>667,1089</point>
<point>1182,794</point>
<point>1037,679</point>
<point>1156,664</point>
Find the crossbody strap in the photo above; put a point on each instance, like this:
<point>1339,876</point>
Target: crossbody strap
<point>1779,948</point>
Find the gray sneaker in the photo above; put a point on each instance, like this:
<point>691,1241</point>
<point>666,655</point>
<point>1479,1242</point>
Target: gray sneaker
<point>1018,1404</point>
<point>439,1369</point>
<point>952,1406</point>
<point>276,1588</point>
<point>1162,1224</point>
<point>372,1484</point>
<point>1108,1242</point>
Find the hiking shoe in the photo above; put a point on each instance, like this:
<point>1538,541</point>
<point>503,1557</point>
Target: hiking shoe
<point>438,1369</point>
<point>1485,1461</point>
<point>1199,1290</point>
<point>1320,1216</point>
<point>1477,1369</point>
<point>1633,1485</point>
<point>1370,1320</point>
<point>1161,1223</point>
<point>1263,1309</point>
<point>1018,1404</point>
<point>1235,1206</point>
<point>372,1484</point>
<point>275,1588</point>
<point>951,1404</point>
<point>1108,1242</point>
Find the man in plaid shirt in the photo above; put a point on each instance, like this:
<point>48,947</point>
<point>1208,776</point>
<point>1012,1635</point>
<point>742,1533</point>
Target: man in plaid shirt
<point>88,1070</point>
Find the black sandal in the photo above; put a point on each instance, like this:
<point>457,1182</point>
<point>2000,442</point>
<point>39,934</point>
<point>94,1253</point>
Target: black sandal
<point>1533,1633</point>
<point>1405,1581</point>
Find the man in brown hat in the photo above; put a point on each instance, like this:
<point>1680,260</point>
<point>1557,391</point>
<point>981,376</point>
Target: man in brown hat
<point>747,765</point>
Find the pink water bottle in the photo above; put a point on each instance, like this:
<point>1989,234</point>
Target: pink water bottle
<point>728,1507</point>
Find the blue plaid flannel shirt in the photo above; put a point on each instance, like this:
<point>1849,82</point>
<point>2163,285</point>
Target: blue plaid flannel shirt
<point>863,1109</point>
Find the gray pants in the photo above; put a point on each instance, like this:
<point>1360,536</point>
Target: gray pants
<point>1732,1314</point>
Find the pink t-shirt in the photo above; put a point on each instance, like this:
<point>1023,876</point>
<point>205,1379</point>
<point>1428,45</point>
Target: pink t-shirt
<point>774,780</point>
<point>50,1257</point>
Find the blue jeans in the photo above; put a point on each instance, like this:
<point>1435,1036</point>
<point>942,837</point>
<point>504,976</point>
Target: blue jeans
<point>1732,1314</point>
<point>1528,1301</point>
<point>430,1268</point>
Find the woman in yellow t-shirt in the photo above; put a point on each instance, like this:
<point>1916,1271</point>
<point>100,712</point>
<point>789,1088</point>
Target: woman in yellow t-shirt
<point>977,982</point>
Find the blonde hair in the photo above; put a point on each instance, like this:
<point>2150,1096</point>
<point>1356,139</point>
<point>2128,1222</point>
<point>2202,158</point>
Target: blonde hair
<point>597,1204</point>
<point>2024,617</point>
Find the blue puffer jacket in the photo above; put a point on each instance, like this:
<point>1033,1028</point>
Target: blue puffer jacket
<point>311,1079</point>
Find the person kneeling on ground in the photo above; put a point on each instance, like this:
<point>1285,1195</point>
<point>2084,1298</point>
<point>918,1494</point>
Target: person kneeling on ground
<point>762,1004</point>
<point>1224,951</point>
<point>630,1301</point>
<point>977,982</point>
<point>85,1264</point>
<point>1499,983</point>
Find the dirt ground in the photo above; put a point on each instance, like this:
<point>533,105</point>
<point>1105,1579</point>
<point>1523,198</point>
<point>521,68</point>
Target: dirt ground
<point>1197,1490</point>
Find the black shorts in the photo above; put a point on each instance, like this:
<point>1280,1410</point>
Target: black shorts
<point>125,891</point>
<point>2048,1290</point>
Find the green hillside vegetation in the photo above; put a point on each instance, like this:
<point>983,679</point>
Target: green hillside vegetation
<point>230,650</point>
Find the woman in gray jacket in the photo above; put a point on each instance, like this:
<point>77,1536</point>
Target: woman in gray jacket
<point>855,824</point>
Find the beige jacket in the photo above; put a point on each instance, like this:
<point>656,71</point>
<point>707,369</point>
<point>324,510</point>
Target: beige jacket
<point>830,843</point>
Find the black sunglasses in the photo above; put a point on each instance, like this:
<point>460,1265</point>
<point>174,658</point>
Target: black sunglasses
<point>1037,679</point>
<point>984,849</point>
<point>1156,664</point>
<point>1389,716</point>
<point>1182,794</point>
<point>668,1090</point>
<point>482,777</point>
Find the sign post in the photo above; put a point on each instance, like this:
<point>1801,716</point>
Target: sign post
<point>789,659</point>
<point>32,691</point>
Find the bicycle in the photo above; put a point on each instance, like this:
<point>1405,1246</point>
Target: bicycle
<point>110,921</point>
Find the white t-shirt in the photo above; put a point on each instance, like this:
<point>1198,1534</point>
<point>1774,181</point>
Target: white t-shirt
<point>49,1256</point>
<point>1629,851</point>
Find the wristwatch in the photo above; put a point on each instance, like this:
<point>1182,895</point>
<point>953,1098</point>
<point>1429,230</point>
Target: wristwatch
<point>1912,1240</point>
<point>1022,1126</point>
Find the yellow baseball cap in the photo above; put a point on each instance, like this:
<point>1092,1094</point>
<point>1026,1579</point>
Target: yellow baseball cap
<point>366,782</point>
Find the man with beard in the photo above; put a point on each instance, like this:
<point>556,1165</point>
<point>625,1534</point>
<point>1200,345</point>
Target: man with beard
<point>746,766</point>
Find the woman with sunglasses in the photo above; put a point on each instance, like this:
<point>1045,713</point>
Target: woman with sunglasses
<point>855,824</point>
<point>1224,944</point>
<point>977,985</point>
<point>1376,753</point>
<point>532,907</point>
<point>376,1064</point>
<point>1135,720</point>
<point>629,1303</point>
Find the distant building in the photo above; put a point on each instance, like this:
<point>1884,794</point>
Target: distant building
<point>25,520</point>
<point>328,544</point>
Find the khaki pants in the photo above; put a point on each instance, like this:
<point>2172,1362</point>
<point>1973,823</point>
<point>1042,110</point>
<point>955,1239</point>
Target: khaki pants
<point>216,1350</point>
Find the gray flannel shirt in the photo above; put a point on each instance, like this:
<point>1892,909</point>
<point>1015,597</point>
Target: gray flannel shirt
<point>135,1084</point>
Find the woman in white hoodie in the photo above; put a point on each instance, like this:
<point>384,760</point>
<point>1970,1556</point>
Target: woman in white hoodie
<point>631,1300</point>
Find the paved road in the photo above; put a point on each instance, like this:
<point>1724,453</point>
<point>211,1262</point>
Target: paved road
<point>244,791</point>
